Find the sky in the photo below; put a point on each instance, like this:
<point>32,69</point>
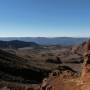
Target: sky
<point>44,18</point>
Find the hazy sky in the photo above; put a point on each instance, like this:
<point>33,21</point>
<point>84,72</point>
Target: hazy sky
<point>45,18</point>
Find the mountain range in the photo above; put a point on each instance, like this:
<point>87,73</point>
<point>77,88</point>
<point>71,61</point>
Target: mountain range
<point>48,40</point>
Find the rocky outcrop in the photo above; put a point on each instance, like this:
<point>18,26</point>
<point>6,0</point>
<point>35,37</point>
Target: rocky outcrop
<point>86,63</point>
<point>57,75</point>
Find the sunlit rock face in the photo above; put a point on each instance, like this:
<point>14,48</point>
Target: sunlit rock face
<point>86,63</point>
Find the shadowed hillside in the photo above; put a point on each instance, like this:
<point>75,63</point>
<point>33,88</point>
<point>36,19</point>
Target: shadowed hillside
<point>17,69</point>
<point>16,44</point>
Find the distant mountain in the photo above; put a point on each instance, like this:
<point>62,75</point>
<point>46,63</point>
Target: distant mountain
<point>48,41</point>
<point>16,44</point>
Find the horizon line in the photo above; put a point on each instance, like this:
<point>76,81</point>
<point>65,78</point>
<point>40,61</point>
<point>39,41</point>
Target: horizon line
<point>43,37</point>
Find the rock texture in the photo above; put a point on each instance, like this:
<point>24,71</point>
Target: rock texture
<point>86,63</point>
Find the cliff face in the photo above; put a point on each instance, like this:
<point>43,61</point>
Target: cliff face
<point>86,56</point>
<point>85,76</point>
